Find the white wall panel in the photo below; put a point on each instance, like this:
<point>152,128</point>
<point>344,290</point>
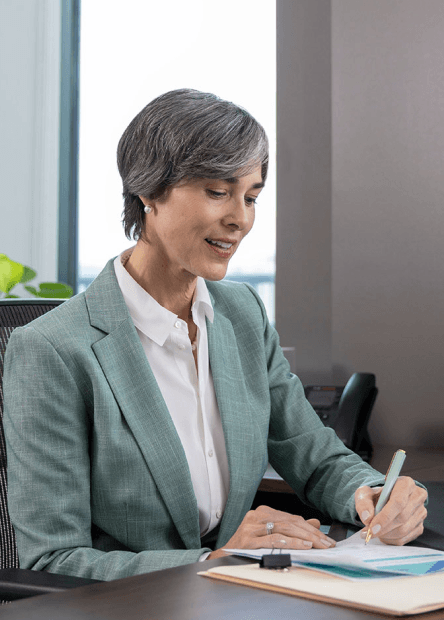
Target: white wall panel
<point>29,109</point>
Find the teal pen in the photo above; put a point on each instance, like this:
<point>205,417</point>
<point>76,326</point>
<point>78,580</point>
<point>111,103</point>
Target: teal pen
<point>391,477</point>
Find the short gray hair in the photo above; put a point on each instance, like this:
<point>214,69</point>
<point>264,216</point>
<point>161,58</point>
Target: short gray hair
<point>185,134</point>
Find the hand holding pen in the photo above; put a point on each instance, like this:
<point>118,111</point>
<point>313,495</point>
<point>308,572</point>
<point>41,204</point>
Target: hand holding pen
<point>391,477</point>
<point>396,514</point>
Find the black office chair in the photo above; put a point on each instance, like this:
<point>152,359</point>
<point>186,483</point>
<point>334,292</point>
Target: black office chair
<point>16,583</point>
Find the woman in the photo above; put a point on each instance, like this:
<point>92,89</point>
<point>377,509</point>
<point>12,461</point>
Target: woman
<point>140,415</point>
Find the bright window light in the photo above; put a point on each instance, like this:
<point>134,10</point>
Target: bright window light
<point>133,51</point>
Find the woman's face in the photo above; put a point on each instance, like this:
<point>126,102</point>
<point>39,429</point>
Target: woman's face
<point>199,227</point>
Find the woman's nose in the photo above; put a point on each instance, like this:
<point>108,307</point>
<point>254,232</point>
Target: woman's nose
<point>238,216</point>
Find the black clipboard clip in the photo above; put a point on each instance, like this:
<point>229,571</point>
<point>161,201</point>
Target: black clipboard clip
<point>275,561</point>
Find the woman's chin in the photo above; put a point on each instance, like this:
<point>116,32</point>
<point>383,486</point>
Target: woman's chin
<point>213,275</point>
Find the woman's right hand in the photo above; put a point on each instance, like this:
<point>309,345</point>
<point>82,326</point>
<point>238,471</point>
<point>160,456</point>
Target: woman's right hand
<point>289,532</point>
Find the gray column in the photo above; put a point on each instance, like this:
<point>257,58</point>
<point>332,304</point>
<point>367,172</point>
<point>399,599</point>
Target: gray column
<point>303,254</point>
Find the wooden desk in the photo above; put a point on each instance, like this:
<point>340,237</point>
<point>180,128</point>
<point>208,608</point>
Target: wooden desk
<point>179,594</point>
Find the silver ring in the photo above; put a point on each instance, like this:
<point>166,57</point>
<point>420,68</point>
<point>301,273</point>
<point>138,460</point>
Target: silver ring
<point>270,527</point>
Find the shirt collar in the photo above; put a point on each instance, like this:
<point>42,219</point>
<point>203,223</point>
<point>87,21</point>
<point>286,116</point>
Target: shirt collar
<point>148,315</point>
<point>201,300</point>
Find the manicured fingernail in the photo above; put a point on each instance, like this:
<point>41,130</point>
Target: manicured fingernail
<point>325,542</point>
<point>365,516</point>
<point>363,533</point>
<point>376,528</point>
<point>308,543</point>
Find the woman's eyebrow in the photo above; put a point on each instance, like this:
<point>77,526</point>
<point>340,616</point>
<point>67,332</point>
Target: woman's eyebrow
<point>234,180</point>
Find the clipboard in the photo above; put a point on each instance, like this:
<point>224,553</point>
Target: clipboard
<point>395,596</point>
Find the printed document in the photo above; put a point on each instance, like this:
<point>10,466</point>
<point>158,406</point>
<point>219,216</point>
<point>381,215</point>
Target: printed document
<point>354,560</point>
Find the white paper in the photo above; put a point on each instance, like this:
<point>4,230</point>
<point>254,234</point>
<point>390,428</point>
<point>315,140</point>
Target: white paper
<point>353,554</point>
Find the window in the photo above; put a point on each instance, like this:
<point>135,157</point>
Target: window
<point>132,52</point>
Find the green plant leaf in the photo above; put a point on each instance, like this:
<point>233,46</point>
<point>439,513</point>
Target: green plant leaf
<point>10,273</point>
<point>11,297</point>
<point>32,290</point>
<point>51,289</point>
<point>28,274</point>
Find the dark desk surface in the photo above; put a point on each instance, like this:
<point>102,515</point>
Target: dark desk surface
<point>180,594</point>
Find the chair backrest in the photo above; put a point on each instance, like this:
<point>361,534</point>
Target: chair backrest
<point>13,313</point>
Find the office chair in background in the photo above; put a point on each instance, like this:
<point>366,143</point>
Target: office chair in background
<point>16,583</point>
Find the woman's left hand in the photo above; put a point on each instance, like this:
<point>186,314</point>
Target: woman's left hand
<point>401,519</point>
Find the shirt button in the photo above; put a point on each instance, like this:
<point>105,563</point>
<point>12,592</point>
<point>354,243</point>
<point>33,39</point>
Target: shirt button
<point>210,452</point>
<point>181,347</point>
<point>177,324</point>
<point>218,514</point>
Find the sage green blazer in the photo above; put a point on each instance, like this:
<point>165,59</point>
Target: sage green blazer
<point>99,485</point>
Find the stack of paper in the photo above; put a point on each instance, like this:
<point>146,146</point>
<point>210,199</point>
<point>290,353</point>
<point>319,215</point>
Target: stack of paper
<point>377,577</point>
<point>398,596</point>
<point>352,559</point>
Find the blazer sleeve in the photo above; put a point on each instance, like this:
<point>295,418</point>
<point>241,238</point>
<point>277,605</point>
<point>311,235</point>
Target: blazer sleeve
<point>47,431</point>
<point>308,455</point>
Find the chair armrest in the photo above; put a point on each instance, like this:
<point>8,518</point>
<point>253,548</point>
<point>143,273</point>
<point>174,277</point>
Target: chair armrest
<point>16,583</point>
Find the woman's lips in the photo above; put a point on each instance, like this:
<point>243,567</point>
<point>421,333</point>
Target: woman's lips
<point>222,252</point>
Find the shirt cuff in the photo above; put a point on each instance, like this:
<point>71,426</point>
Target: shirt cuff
<point>204,556</point>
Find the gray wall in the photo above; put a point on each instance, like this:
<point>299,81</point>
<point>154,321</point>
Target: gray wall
<point>303,251</point>
<point>388,209</point>
<point>29,112</point>
<point>373,246</point>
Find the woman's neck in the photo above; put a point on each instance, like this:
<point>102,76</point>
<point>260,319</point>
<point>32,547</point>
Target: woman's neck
<point>171,291</point>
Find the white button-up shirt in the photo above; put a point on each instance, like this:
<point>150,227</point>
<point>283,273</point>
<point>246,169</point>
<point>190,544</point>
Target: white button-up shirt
<point>188,394</point>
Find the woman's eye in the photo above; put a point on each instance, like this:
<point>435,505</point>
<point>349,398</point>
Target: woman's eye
<point>249,200</point>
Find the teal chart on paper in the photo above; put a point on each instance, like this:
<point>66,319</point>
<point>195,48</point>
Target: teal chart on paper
<point>354,560</point>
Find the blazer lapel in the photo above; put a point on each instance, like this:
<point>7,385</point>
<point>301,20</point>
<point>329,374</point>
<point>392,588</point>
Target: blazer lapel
<point>126,368</point>
<point>237,422</point>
